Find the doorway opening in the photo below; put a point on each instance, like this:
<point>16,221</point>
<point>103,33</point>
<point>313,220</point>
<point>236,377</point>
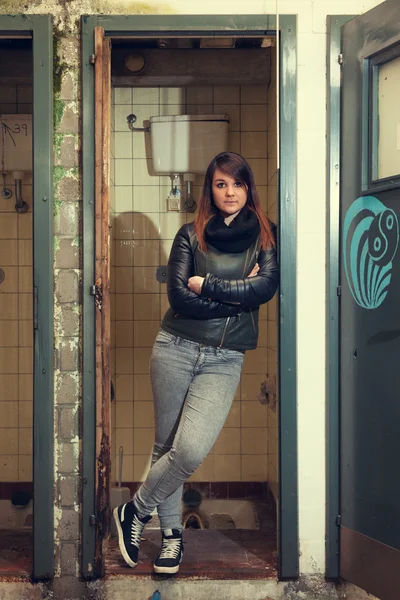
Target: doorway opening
<point>103,38</point>
<point>16,307</point>
<point>232,496</point>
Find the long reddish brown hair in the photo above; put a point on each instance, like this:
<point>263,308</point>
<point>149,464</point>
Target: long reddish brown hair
<point>238,168</point>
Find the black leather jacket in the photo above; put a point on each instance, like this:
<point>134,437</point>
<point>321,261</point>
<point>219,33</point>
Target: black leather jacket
<point>225,315</point>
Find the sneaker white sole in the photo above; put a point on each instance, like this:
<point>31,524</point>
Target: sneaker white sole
<point>167,570</point>
<point>121,544</point>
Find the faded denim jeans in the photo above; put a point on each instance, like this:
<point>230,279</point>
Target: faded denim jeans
<point>193,389</point>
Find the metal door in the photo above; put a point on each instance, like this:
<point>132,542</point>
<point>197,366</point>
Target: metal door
<point>369,303</point>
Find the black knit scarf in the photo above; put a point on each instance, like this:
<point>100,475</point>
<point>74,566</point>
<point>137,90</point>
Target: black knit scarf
<point>236,237</point>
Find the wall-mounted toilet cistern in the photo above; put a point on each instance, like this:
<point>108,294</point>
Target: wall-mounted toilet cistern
<point>184,145</point>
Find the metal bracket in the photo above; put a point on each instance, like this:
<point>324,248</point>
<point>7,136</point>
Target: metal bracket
<point>132,120</point>
<point>92,59</point>
<point>92,520</point>
<point>339,520</point>
<point>96,290</point>
<point>340,59</point>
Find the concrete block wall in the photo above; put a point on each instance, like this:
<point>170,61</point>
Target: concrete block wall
<point>67,305</point>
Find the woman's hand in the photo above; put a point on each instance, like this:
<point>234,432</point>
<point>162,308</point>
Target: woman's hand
<point>195,284</point>
<point>254,271</point>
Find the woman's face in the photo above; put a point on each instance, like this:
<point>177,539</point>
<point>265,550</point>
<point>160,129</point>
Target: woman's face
<point>229,194</point>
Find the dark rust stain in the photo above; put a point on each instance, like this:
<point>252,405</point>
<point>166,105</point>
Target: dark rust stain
<point>102,503</point>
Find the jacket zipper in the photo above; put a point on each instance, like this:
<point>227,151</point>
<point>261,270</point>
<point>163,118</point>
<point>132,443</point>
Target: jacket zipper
<point>224,331</point>
<point>228,318</point>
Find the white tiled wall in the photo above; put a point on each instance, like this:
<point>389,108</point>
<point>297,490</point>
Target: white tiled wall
<point>16,326</point>
<point>144,232</point>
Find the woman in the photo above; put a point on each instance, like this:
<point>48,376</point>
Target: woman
<point>221,269</point>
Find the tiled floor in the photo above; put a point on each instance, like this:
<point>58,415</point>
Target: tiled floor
<point>15,554</point>
<point>211,554</point>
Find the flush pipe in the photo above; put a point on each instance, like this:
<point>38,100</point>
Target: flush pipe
<point>21,206</point>
<point>190,203</point>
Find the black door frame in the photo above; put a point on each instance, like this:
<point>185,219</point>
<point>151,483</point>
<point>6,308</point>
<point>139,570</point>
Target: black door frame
<point>40,29</point>
<point>206,25</point>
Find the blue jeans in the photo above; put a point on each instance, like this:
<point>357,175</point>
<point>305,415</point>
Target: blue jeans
<point>193,389</point>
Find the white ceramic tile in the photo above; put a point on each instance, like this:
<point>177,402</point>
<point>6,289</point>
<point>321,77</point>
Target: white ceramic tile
<point>8,388</point>
<point>146,198</point>
<point>170,223</point>
<point>141,145</point>
<point>143,414</point>
<point>173,95</point>
<point>123,145</point>
<point>123,172</point>
<point>255,361</point>
<point>123,95</point>
<point>250,386</point>
<point>172,109</point>
<point>122,226</point>
<point>120,118</point>
<point>253,94</point>
<point>8,93</point>
<point>145,333</point>
<point>199,109</point>
<point>144,281</point>
<point>124,307</point>
<point>124,388</point>
<point>143,440</point>
<point>124,280</point>
<point>254,468</point>
<point>143,113</point>
<point>228,441</point>
<point>165,249</point>
<point>25,468</point>
<point>146,253</point>
<point>124,361</point>
<point>227,467</point>
<point>199,94</point>
<point>254,440</point>
<point>146,226</point>
<point>8,225</point>
<point>146,306</point>
<point>254,144</point>
<point>253,117</point>
<point>124,253</point>
<point>9,253</point>
<point>227,94</point>
<point>143,173</point>
<point>234,141</point>
<point>145,95</point>
<point>272,145</point>
<point>259,168</point>
<point>254,414</point>
<point>9,468</point>
<point>142,385</point>
<point>123,198</point>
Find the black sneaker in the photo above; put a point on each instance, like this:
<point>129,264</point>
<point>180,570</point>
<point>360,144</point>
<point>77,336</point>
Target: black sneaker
<point>129,528</point>
<point>171,554</point>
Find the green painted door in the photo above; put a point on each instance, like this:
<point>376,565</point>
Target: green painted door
<point>369,302</point>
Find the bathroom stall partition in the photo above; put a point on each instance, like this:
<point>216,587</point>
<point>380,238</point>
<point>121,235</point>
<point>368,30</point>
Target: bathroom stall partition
<point>26,298</point>
<point>134,233</point>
